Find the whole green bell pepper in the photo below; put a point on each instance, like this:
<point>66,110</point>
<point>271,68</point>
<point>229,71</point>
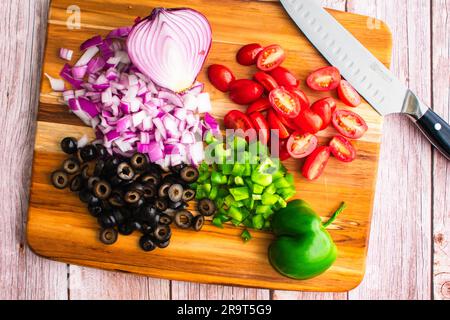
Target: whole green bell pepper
<point>303,249</point>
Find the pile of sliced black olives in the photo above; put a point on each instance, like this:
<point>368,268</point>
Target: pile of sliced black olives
<point>128,195</point>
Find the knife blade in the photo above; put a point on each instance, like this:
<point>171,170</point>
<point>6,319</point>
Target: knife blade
<point>376,83</point>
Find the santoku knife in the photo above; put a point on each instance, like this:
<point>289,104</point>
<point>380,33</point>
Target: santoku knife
<point>368,75</point>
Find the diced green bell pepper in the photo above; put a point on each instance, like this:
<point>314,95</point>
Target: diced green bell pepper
<point>213,193</point>
<point>246,236</point>
<point>235,214</point>
<point>218,178</point>
<point>272,189</point>
<point>258,222</point>
<point>240,194</point>
<point>239,181</point>
<point>269,199</point>
<point>282,183</point>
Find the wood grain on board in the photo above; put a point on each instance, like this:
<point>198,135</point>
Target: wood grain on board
<point>60,228</point>
<point>24,275</point>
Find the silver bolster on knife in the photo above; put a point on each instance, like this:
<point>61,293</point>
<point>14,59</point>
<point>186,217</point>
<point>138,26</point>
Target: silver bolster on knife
<point>413,106</point>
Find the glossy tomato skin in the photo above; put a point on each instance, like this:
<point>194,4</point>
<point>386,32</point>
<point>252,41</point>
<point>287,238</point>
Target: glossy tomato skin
<point>301,145</point>
<point>309,121</point>
<point>324,79</point>
<point>349,124</point>
<point>270,58</point>
<point>260,105</point>
<point>315,164</point>
<point>284,78</point>
<point>266,80</point>
<point>284,154</point>
<point>342,149</point>
<point>285,102</point>
<point>302,97</point>
<point>348,94</point>
<point>248,54</point>
<point>245,91</point>
<point>220,77</point>
<point>324,108</point>
<point>236,120</point>
<point>261,126</point>
<point>276,124</point>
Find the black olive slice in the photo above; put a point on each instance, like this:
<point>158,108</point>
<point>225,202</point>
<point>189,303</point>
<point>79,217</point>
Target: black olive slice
<point>116,201</point>
<point>111,165</point>
<point>180,205</point>
<point>60,179</point>
<point>99,166</point>
<point>188,195</point>
<point>91,182</point>
<point>146,243</point>
<point>198,222</point>
<point>139,161</point>
<point>76,184</point>
<point>108,236</point>
<point>118,216</point>
<point>149,191</point>
<point>177,169</point>
<point>163,233</point>
<point>165,219</point>
<point>126,228</point>
<point>189,174</point>
<point>94,201</point>
<point>107,221</point>
<point>175,192</point>
<point>206,207</point>
<point>87,172</point>
<point>162,204</point>
<point>163,245</point>
<point>102,190</point>
<point>69,145</point>
<point>102,153</point>
<point>151,178</point>
<point>164,190</point>
<point>132,197</point>
<point>71,166</point>
<point>183,219</point>
<point>125,171</point>
<point>95,211</point>
<point>88,153</point>
<point>85,195</point>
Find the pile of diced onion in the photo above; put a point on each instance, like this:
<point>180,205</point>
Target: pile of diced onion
<point>128,111</point>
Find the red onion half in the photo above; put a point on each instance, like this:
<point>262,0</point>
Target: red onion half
<point>170,47</point>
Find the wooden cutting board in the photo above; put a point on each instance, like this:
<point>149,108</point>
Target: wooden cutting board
<point>60,228</point>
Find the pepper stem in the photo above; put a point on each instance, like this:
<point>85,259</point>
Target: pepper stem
<point>335,215</point>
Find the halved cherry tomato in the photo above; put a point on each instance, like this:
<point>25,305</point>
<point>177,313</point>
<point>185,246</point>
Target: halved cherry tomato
<point>304,101</point>
<point>289,123</point>
<point>301,145</point>
<point>324,108</point>
<point>349,124</point>
<point>248,54</point>
<point>348,94</point>
<point>284,154</point>
<point>260,105</point>
<point>309,121</point>
<point>342,149</point>
<point>266,81</point>
<point>237,120</point>
<point>315,164</point>
<point>220,77</point>
<point>285,102</point>
<point>270,58</point>
<point>245,91</point>
<point>276,124</point>
<point>284,78</point>
<point>324,79</point>
<point>261,126</point>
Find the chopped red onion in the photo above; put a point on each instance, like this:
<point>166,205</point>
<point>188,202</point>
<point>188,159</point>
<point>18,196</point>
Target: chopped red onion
<point>92,42</point>
<point>66,54</point>
<point>56,84</point>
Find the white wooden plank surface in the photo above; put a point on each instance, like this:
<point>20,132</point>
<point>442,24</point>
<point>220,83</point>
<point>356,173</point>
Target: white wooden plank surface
<point>441,168</point>
<point>22,274</point>
<point>400,264</point>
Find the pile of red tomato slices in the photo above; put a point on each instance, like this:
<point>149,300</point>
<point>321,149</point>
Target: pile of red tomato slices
<point>275,102</point>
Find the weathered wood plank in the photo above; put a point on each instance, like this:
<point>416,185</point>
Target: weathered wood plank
<point>399,262</point>
<point>23,275</point>
<point>441,168</point>
<point>289,295</point>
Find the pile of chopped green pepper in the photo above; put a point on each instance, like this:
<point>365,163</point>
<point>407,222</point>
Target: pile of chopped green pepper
<point>246,184</point>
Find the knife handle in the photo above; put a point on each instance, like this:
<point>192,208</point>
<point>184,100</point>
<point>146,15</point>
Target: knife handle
<point>436,130</point>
